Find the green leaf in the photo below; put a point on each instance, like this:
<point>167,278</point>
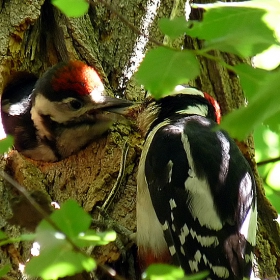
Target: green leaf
<point>264,105</point>
<point>72,8</point>
<point>170,272</point>
<point>164,68</point>
<point>273,179</point>
<point>3,235</point>
<point>57,257</point>
<point>273,122</point>
<point>71,218</point>
<point>197,276</point>
<point>6,144</point>
<point>4,239</point>
<point>239,30</point>
<point>251,79</point>
<point>163,272</point>
<point>93,238</point>
<point>173,27</point>
<point>4,269</point>
<point>72,221</point>
<point>58,262</point>
<point>269,59</point>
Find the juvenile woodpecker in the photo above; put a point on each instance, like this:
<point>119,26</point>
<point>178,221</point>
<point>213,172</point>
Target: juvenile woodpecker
<point>196,196</point>
<point>57,115</point>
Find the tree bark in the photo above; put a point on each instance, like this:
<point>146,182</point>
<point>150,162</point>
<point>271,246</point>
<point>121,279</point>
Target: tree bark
<point>34,36</point>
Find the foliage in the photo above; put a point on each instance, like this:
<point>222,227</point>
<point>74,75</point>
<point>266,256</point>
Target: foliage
<point>6,144</point>
<point>267,146</point>
<point>72,8</point>
<point>246,29</point>
<point>159,61</point>
<point>61,240</point>
<point>242,28</point>
<point>4,270</point>
<point>170,272</point>
<point>60,253</point>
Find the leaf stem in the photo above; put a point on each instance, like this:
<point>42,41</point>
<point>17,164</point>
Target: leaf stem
<point>204,53</point>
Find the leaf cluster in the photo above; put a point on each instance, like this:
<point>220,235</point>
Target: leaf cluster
<point>245,29</point>
<point>61,242</point>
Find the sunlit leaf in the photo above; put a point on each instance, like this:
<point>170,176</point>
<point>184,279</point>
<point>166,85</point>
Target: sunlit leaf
<point>71,218</point>
<point>163,272</point>
<point>251,79</point>
<point>6,144</point>
<point>266,142</point>
<point>173,27</point>
<point>269,59</point>
<point>4,270</point>
<point>94,238</point>
<point>239,30</point>
<point>72,8</point>
<point>58,262</point>
<point>3,235</point>
<point>170,272</point>
<point>273,178</point>
<point>273,122</point>
<point>262,106</point>
<point>273,197</point>
<point>271,8</point>
<point>4,239</point>
<point>57,257</point>
<point>163,68</point>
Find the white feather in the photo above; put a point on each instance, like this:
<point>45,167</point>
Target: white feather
<point>201,203</point>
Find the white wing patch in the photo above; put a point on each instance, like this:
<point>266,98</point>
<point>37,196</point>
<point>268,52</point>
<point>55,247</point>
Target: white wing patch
<point>248,228</point>
<point>220,271</point>
<point>170,166</point>
<point>172,250</point>
<point>184,233</point>
<point>200,202</point>
<point>207,241</point>
<point>194,263</point>
<point>172,204</point>
<point>225,146</point>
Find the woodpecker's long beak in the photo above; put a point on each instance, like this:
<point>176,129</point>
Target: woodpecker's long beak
<point>115,105</point>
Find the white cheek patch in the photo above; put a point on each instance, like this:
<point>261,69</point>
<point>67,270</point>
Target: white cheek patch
<point>57,110</point>
<point>38,122</point>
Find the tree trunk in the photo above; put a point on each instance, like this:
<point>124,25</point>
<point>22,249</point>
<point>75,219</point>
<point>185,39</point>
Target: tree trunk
<point>34,36</point>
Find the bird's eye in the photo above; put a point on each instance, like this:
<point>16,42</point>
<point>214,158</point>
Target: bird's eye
<point>75,104</point>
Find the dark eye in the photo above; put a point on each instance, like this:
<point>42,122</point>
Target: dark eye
<point>76,104</point>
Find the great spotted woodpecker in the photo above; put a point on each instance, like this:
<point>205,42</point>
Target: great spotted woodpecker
<point>57,115</point>
<point>196,196</point>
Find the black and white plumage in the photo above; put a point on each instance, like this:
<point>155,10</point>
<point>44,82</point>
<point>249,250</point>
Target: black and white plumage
<point>57,115</point>
<point>196,197</point>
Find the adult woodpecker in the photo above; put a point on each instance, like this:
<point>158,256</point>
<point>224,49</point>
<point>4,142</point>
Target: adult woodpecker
<point>196,196</point>
<point>57,115</point>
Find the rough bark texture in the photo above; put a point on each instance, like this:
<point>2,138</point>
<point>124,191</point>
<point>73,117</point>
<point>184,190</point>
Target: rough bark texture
<point>34,35</point>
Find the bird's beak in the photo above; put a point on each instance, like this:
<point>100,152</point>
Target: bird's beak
<point>115,105</point>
